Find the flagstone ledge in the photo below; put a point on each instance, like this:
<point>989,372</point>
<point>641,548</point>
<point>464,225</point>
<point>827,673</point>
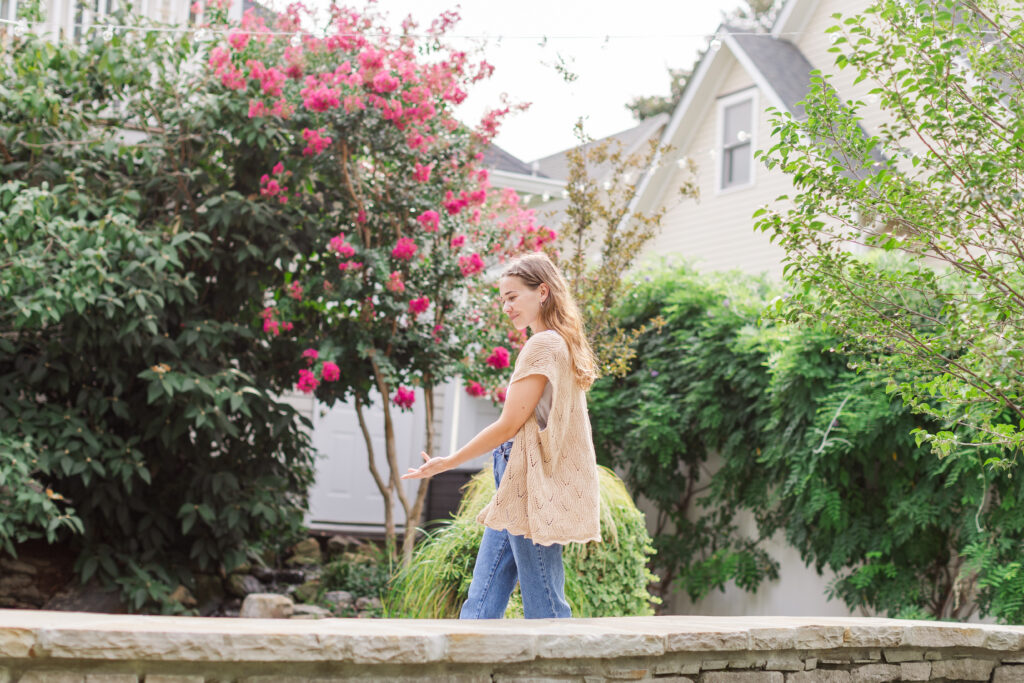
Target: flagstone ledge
<point>76,647</point>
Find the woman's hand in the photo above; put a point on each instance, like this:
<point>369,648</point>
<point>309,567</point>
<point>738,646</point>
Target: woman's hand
<point>431,467</point>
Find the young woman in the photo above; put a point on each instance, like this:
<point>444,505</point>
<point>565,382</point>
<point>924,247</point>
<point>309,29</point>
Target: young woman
<point>545,470</point>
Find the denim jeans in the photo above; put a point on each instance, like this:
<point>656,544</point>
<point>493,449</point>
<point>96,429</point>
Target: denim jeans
<point>505,558</point>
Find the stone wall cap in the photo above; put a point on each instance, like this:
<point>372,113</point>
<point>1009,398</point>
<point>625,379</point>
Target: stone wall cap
<point>80,635</point>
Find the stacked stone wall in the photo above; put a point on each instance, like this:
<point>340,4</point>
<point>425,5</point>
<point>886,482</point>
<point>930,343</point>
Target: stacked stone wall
<point>56,647</point>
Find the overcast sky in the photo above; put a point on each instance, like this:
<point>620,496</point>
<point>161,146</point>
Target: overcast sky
<point>644,39</point>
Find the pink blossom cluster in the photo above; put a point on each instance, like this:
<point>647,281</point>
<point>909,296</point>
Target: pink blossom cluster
<point>471,265</point>
<point>271,324</point>
<point>349,265</point>
<point>307,382</point>
<point>238,39</point>
<point>417,306</point>
<point>341,247</point>
<point>421,172</point>
<point>404,398</point>
<point>316,142</point>
<point>295,290</point>
<point>458,241</point>
<point>404,250</point>
<point>474,388</point>
<point>430,220</point>
<point>273,186</point>
<point>230,76</point>
<point>271,80</point>
<point>395,283</point>
<point>499,358</point>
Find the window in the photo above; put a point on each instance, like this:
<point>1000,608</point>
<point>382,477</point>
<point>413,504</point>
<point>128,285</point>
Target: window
<point>736,140</point>
<point>8,10</point>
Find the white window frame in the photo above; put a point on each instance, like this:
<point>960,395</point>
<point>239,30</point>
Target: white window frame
<point>723,102</point>
<point>12,11</point>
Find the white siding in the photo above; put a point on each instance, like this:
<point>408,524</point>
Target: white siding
<point>716,231</point>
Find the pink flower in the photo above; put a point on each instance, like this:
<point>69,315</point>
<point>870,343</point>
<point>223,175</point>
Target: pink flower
<point>316,141</point>
<point>231,77</point>
<point>422,173</point>
<point>349,265</point>
<point>310,355</point>
<point>319,97</point>
<point>404,250</point>
<point>257,109</point>
<point>331,372</point>
<point>295,290</point>
<point>498,358</point>
<point>430,220</point>
<point>455,204</point>
<point>470,265</point>
<point>395,283</point>
<point>385,82</point>
<point>238,39</point>
<point>404,398</point>
<point>307,382</point>
<point>501,394</point>
<point>458,241</point>
<point>197,7</point>
<point>475,389</point>
<point>342,248</point>
<point>218,57</point>
<point>278,168</point>
<point>417,306</point>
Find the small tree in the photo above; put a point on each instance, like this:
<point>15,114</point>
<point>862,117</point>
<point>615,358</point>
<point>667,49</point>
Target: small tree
<point>940,184</point>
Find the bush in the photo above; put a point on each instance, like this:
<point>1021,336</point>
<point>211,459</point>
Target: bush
<point>363,574</point>
<point>811,444</point>
<point>601,579</point>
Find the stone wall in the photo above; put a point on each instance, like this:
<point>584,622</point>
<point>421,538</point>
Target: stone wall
<point>77,647</point>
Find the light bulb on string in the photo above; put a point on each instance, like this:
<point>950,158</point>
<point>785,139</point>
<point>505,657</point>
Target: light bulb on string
<point>21,28</point>
<point>108,34</point>
<point>296,40</point>
<point>715,44</point>
<point>202,35</point>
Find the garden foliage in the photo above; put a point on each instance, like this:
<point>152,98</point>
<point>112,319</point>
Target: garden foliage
<point>936,179</point>
<point>725,418</point>
<point>195,223</point>
<point>603,579</point>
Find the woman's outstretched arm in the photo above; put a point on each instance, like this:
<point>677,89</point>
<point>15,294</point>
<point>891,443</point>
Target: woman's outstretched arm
<point>520,401</point>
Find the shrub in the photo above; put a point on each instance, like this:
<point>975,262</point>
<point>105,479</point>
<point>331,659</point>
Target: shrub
<point>601,579</point>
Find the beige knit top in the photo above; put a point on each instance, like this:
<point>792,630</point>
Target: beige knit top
<point>549,491</point>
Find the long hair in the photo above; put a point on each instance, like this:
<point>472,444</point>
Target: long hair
<point>559,312</point>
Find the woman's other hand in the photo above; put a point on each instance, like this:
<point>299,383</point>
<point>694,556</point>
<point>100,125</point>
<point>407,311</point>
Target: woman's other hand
<point>431,467</point>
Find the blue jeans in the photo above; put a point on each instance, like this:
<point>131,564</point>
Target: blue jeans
<point>505,558</point>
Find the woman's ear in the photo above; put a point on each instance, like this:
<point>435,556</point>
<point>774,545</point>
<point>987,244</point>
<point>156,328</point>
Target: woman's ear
<point>544,291</point>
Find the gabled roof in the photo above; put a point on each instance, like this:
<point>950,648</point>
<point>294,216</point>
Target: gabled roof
<point>498,159</point>
<point>781,64</point>
<point>632,140</point>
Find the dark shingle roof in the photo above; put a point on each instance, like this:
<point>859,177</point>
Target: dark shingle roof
<point>557,165</point>
<point>781,63</point>
<point>498,159</point>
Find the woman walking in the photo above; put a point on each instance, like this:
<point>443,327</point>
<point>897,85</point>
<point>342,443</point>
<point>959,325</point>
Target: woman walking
<point>545,470</point>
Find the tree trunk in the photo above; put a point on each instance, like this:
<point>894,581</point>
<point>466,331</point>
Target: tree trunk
<point>385,489</point>
<point>412,516</point>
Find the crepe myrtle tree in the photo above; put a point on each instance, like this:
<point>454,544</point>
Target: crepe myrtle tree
<point>404,217</point>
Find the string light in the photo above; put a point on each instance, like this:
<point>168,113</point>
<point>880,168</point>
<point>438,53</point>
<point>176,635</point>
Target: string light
<point>22,25</point>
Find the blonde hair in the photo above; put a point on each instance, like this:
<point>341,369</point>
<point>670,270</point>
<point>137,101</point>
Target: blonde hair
<point>559,312</point>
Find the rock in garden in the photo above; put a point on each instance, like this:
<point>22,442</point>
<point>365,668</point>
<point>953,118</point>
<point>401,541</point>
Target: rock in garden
<point>339,598</point>
<point>368,603</point>
<point>182,595</point>
<point>241,585</point>
<point>266,606</point>
<point>305,552</point>
<point>310,612</point>
<point>307,591</point>
<point>290,575</point>
<point>336,545</point>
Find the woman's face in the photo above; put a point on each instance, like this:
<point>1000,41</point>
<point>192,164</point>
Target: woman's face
<point>520,303</point>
